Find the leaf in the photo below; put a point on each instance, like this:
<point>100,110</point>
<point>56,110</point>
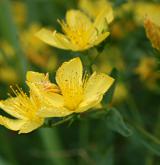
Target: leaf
<point>147,140</point>
<point>115,122</point>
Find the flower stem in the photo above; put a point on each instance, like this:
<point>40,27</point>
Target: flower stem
<point>53,146</point>
<point>83,137</point>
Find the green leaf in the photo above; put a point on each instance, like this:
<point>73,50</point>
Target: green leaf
<point>115,122</point>
<point>147,140</point>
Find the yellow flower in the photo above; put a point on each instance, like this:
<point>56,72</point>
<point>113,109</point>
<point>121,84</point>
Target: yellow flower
<point>8,74</point>
<point>94,7</point>
<point>146,68</point>
<point>120,93</point>
<point>19,10</point>
<point>36,51</point>
<point>80,33</point>
<point>77,93</point>
<point>24,110</point>
<point>151,10</point>
<point>147,71</point>
<point>153,33</point>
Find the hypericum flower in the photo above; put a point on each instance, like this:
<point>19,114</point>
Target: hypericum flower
<point>143,9</point>
<point>19,10</point>
<point>77,93</point>
<point>24,110</point>
<point>153,33</point>
<point>93,8</point>
<point>146,68</point>
<point>37,52</point>
<point>39,83</point>
<point>147,72</point>
<point>80,33</point>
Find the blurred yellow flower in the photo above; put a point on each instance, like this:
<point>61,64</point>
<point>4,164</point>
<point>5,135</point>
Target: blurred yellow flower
<point>120,93</point>
<point>7,49</point>
<point>80,33</point>
<point>19,12</point>
<point>24,110</point>
<point>94,7</point>
<point>106,61</point>
<point>153,33</point>
<point>36,51</point>
<point>147,71</point>
<point>146,67</point>
<point>8,74</point>
<point>77,93</point>
<point>150,10</point>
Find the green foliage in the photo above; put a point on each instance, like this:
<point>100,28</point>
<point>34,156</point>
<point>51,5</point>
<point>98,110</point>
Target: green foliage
<point>122,130</point>
<point>115,122</point>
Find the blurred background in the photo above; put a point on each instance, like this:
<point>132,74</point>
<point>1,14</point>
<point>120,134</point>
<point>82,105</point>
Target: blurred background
<point>130,135</point>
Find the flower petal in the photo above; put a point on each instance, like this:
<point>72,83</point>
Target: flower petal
<point>9,106</point>
<point>53,106</point>
<point>54,112</point>
<point>29,126</point>
<point>69,79</point>
<point>76,18</point>
<point>101,37</point>
<point>70,71</point>
<point>12,124</point>
<point>36,77</point>
<point>40,85</point>
<point>88,104</point>
<point>95,88</point>
<point>54,39</point>
<point>103,19</point>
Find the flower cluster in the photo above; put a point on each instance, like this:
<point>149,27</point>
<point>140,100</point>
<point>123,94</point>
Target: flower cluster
<point>74,91</point>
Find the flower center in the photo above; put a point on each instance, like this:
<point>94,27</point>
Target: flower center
<point>73,98</point>
<point>78,35</point>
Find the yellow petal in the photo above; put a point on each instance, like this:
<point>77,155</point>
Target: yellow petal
<point>53,39</point>
<point>94,90</point>
<point>39,82</point>
<point>151,10</point>
<point>88,104</point>
<point>11,106</point>
<point>70,71</point>
<point>93,8</point>
<point>29,126</point>
<point>76,19</point>
<point>69,79</point>
<point>101,38</point>
<point>12,124</point>
<point>53,106</point>
<point>36,77</point>
<point>96,86</point>
<point>54,112</point>
<point>103,19</point>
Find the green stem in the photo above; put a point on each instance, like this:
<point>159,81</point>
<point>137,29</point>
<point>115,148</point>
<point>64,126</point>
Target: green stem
<point>133,106</point>
<point>52,145</point>
<point>83,137</point>
<point>150,157</point>
<point>59,122</point>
